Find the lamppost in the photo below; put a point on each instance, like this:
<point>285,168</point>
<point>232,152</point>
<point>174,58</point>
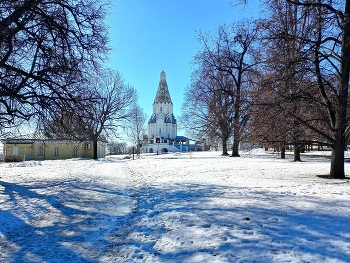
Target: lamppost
<point>158,141</point>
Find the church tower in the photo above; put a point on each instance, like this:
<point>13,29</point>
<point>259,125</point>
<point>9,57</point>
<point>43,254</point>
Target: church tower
<point>162,123</point>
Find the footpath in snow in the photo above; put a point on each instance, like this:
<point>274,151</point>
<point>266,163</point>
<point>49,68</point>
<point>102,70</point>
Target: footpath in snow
<point>189,207</point>
<point>62,211</point>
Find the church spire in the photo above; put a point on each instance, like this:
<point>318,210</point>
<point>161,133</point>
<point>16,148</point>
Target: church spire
<point>163,95</point>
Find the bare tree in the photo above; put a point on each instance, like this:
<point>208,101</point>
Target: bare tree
<point>136,125</point>
<point>208,109</point>
<point>46,47</point>
<point>115,98</point>
<point>194,112</point>
<point>232,52</point>
<point>117,147</point>
<point>326,52</point>
<point>272,122</point>
<point>267,121</point>
<point>282,78</point>
<point>331,46</point>
<point>104,115</point>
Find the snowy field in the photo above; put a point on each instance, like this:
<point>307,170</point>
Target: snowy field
<point>189,207</point>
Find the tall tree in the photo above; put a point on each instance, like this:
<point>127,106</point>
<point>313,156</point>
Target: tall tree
<point>104,115</point>
<point>46,47</point>
<point>328,48</point>
<point>208,110</point>
<point>136,125</point>
<point>112,108</point>
<point>233,52</point>
<point>282,78</point>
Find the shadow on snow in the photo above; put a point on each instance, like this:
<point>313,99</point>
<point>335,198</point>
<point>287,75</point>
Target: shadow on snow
<point>84,222</point>
<point>74,223</point>
<point>181,222</point>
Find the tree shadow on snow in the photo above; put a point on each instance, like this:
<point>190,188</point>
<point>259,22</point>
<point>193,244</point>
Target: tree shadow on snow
<point>74,223</point>
<point>210,223</point>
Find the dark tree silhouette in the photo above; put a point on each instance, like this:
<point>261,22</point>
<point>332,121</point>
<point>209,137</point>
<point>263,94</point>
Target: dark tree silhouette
<point>327,47</point>
<point>46,49</point>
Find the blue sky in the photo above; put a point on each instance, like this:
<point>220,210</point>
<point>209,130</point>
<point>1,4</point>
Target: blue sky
<point>154,35</point>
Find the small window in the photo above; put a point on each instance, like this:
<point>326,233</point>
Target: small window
<point>56,151</point>
<point>41,151</point>
<point>88,146</point>
<point>160,108</point>
<point>75,151</point>
<point>15,150</point>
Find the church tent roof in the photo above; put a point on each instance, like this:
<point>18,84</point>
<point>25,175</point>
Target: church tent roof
<point>163,95</point>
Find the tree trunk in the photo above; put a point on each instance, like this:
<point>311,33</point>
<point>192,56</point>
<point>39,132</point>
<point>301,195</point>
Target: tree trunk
<point>224,146</point>
<point>236,123</point>
<point>283,152</point>
<point>337,160</point>
<point>235,148</point>
<point>94,142</point>
<point>236,134</point>
<point>296,153</point>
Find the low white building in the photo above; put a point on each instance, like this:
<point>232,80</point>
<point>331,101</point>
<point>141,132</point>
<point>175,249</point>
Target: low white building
<point>162,126</point>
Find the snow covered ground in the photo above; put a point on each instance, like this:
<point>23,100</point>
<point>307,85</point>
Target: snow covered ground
<point>189,207</point>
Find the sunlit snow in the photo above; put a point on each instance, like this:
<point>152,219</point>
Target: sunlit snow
<point>188,207</point>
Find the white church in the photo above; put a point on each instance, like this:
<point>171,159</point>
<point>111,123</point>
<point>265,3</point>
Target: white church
<point>162,127</point>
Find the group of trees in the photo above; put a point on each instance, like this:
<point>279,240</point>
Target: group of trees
<point>117,147</point>
<point>219,95</point>
<point>51,70</point>
<point>282,80</point>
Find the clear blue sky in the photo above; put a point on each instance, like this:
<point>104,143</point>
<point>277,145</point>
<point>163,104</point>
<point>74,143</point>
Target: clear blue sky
<point>148,36</point>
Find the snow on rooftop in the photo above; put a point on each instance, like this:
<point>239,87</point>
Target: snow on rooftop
<point>188,207</point>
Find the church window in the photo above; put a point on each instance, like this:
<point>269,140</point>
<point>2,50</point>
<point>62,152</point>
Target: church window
<point>160,130</point>
<point>160,108</point>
